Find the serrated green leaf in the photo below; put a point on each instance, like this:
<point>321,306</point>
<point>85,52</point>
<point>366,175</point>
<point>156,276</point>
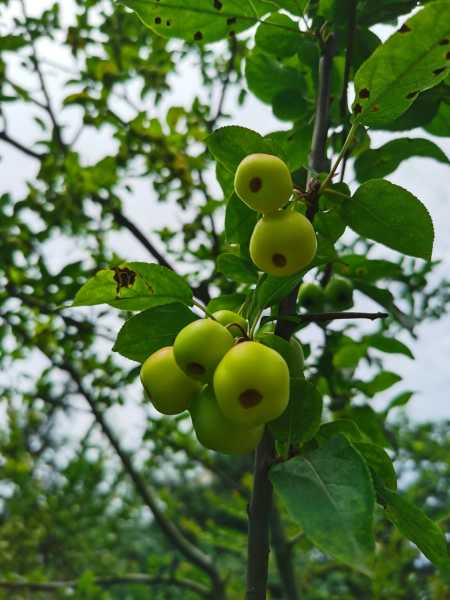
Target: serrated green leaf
<point>417,527</point>
<point>381,382</point>
<point>389,214</point>
<point>370,423</point>
<point>134,286</point>
<point>379,162</point>
<point>296,144</point>
<point>378,460</point>
<point>301,420</point>
<point>198,20</point>
<point>237,268</point>
<point>340,426</point>
<point>151,330</point>
<point>410,61</point>
<point>329,493</point>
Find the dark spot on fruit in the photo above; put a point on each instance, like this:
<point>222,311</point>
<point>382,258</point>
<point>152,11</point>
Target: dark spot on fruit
<point>124,278</point>
<point>198,35</point>
<point>195,369</point>
<point>444,42</point>
<point>158,20</point>
<point>218,5</point>
<point>168,23</point>
<point>404,28</point>
<point>364,93</point>
<point>231,20</point>
<point>439,71</point>
<point>279,260</point>
<point>357,109</point>
<point>250,398</point>
<point>255,184</point>
<point>447,56</point>
<point>412,94</point>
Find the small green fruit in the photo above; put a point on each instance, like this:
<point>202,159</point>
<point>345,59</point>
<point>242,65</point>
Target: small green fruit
<point>169,389</point>
<point>299,355</point>
<point>263,182</point>
<point>200,346</point>
<point>216,432</point>
<point>251,384</point>
<point>237,324</point>
<point>311,296</point>
<point>339,293</point>
<point>283,243</point>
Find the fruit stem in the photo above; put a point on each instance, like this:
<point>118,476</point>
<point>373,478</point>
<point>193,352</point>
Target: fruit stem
<point>252,331</point>
<point>203,308</point>
<point>339,159</point>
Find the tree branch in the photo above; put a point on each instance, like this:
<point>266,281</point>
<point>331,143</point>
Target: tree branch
<point>6,138</point>
<point>172,533</point>
<point>106,582</point>
<point>330,316</point>
<point>283,556</point>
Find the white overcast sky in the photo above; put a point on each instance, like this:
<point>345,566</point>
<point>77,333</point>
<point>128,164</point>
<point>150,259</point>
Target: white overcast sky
<point>429,374</point>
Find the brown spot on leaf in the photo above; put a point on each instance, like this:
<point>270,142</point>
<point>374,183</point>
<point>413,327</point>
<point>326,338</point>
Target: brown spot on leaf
<point>447,56</point>
<point>231,20</point>
<point>168,23</point>
<point>412,94</point>
<point>231,34</point>
<point>198,35</point>
<point>444,42</point>
<point>255,184</point>
<point>250,398</point>
<point>375,108</point>
<point>357,109</point>
<point>364,93</point>
<point>218,5</point>
<point>439,71</point>
<point>158,20</point>
<point>125,278</point>
<point>279,260</point>
<point>404,28</point>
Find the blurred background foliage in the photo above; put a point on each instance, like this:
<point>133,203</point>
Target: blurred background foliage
<point>74,519</point>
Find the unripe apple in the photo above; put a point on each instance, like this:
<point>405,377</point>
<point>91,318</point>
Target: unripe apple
<point>251,384</point>
<point>200,346</point>
<point>283,243</point>
<point>339,293</point>
<point>263,182</point>
<point>169,389</point>
<point>311,296</point>
<point>235,324</point>
<point>299,355</point>
<point>216,432</point>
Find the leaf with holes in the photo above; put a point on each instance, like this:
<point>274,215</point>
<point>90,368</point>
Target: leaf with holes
<point>151,330</point>
<point>389,214</point>
<point>329,493</point>
<point>415,58</point>
<point>198,20</point>
<point>134,286</point>
<point>379,162</point>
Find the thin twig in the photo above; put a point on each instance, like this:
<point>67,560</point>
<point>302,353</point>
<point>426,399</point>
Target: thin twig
<point>19,146</point>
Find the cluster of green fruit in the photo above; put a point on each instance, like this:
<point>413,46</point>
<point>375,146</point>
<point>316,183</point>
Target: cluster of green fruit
<point>283,241</point>
<point>336,295</point>
<point>231,386</point>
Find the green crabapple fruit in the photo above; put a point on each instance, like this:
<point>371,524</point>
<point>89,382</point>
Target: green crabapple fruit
<point>311,296</point>
<point>235,324</point>
<point>263,182</point>
<point>216,432</point>
<point>283,243</point>
<point>339,293</point>
<point>200,346</point>
<point>251,384</point>
<point>169,389</point>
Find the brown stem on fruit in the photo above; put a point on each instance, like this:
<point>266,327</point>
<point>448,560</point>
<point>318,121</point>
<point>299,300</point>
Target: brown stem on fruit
<point>241,329</point>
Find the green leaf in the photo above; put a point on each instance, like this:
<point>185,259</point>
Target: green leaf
<point>440,125</point>
<point>236,268</point>
<point>276,40</point>
<point>385,299</point>
<point>349,355</point>
<point>378,460</point>
<point>382,381</point>
<point>230,145</point>
<point>295,7</point>
<point>134,286</point>
<point>151,330</point>
<point>370,423</point>
<point>295,144</point>
<point>267,77</point>
<point>340,426</point>
<point>197,20</point>
<point>284,348</point>
<point>388,344</point>
<point>271,289</point>
<point>412,60</point>
<point>226,302</point>
<point>399,400</point>
<point>389,214</point>
<point>12,43</point>
<point>415,525</point>
<point>377,163</point>
<point>329,493</point>
<point>301,420</point>
<point>240,221</point>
